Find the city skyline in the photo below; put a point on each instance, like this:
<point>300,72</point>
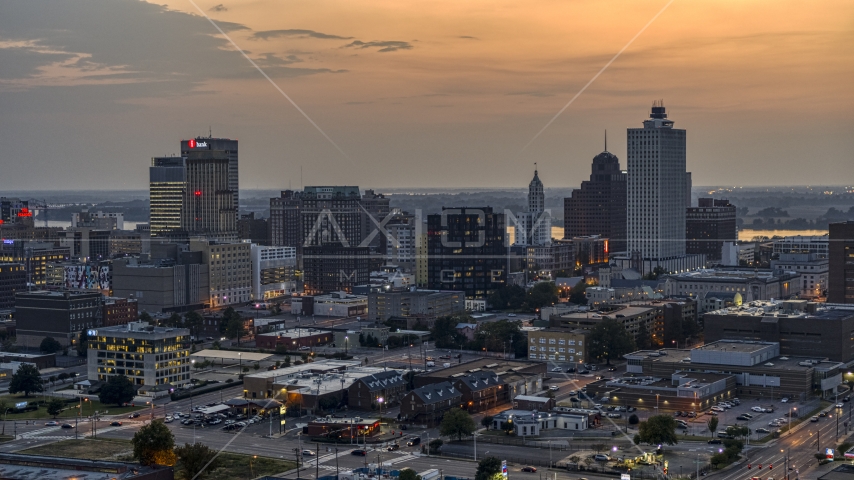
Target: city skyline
<point>409,95</point>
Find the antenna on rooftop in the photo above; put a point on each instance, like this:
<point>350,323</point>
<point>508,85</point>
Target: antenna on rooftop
<point>606,140</point>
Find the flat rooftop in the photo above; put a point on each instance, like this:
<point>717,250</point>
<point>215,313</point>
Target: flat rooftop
<point>229,355</point>
<point>318,384</point>
<point>294,333</point>
<point>315,367</point>
<point>777,309</point>
<point>625,310</point>
<point>496,365</point>
<point>683,357</point>
<point>734,346</point>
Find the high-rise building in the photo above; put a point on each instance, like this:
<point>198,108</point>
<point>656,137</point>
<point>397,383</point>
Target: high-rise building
<point>225,148</point>
<point>708,226</point>
<point>229,270</point>
<point>467,251</point>
<point>333,267</point>
<point>15,211</point>
<point>253,229</point>
<point>533,226</point>
<point>13,279</point>
<point>657,183</point>
<point>209,208</point>
<point>841,252</point>
<point>324,215</point>
<point>599,206</point>
<point>167,183</point>
<point>35,256</point>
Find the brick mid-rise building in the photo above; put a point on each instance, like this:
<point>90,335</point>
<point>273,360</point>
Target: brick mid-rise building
<point>13,279</point>
<point>119,311</point>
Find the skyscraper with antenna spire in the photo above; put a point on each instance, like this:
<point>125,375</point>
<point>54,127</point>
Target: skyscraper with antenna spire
<point>533,226</point>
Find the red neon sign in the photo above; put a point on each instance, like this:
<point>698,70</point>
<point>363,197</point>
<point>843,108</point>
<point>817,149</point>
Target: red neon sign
<point>191,143</point>
<point>25,212</point>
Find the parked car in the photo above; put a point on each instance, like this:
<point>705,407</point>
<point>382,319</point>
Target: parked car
<point>67,425</point>
<point>742,417</point>
<point>570,370</point>
<point>784,400</point>
<point>762,430</point>
<point>614,415</point>
<point>529,469</point>
<point>757,409</point>
<point>304,348</point>
<point>716,441</point>
<point>599,457</point>
<point>169,419</point>
<point>448,357</point>
<point>814,419</point>
<point>584,372</point>
<point>134,415</point>
<point>554,388</point>
<point>308,453</point>
<point>51,423</point>
<point>557,369</point>
<point>718,409</point>
<point>115,424</point>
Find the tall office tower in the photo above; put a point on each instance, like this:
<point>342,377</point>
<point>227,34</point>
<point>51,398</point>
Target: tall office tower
<point>708,226</point>
<point>326,215</point>
<point>840,279</point>
<point>533,226</point>
<point>657,184</point>
<point>167,182</point>
<point>599,206</point>
<point>209,208</point>
<point>467,251</point>
<point>226,148</point>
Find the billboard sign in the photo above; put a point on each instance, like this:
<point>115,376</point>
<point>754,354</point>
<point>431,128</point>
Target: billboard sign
<point>87,277</point>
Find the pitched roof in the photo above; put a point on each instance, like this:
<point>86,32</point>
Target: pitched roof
<point>382,380</point>
<point>436,392</point>
<point>480,380</point>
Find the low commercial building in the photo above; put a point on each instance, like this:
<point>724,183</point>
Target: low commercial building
<point>527,423</point>
<point>812,268</point>
<point>269,384</point>
<point>757,367</point>
<point>335,304</point>
<point>163,284</point>
<point>293,338</point>
<point>428,404</point>
<point>561,345</point>
<point>120,311</point>
<point>752,284</point>
<point>149,356</point>
<point>481,390</point>
<point>61,315</point>
<point>419,305</point>
<point>356,428</point>
<point>682,391</point>
<point>515,377</point>
<point>532,402</point>
<point>802,328</point>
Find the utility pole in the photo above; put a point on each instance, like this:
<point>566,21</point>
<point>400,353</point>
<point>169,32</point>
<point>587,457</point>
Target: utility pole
<point>316,460</point>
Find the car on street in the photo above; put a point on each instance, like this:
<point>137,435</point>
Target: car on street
<point>304,348</point>
<point>716,441</point>
<point>814,419</point>
<point>712,413</point>
<point>742,417</point>
<point>599,457</point>
<point>762,430</point>
<point>554,388</point>
<point>784,400</point>
<point>570,370</point>
<point>757,409</point>
<point>597,405</point>
<point>359,452</point>
<point>134,415</point>
<point>51,424</point>
<point>308,453</point>
<point>67,425</point>
<point>448,357</point>
<point>529,469</point>
<point>839,405</point>
<point>718,409</point>
<point>557,369</point>
<point>614,415</point>
<point>822,414</point>
<point>584,372</point>
<point>115,424</point>
<point>413,442</point>
<point>393,447</point>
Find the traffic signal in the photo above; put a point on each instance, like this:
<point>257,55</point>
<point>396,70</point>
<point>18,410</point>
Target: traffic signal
<point>760,466</point>
<point>770,466</point>
<point>749,466</point>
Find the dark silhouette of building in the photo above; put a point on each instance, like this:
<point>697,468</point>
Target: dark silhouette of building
<point>13,279</point>
<point>840,278</point>
<point>708,226</point>
<point>61,315</point>
<point>333,268</point>
<point>599,206</point>
<point>254,229</point>
<point>467,251</point>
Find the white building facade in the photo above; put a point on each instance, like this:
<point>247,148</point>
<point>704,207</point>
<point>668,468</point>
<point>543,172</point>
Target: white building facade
<point>273,271</point>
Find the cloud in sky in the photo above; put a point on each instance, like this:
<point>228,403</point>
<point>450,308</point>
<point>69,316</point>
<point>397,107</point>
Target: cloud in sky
<point>218,8</point>
<point>383,46</point>
<point>295,32</point>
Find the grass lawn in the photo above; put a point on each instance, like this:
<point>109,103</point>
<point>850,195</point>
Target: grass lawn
<point>88,448</point>
<point>70,410</point>
<point>231,465</point>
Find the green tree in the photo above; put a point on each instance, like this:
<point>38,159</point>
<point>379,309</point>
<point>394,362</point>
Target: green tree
<point>174,321</point>
<point>486,421</point>
<point>82,343</point>
<point>145,317</point>
<point>256,366</point>
<point>457,422</point>
<point>154,444</point>
<point>633,419</point>
<point>577,293</point>
<point>488,469</point>
<point>713,425</point>
<point>287,362</point>
<point>54,406</point>
<point>657,430</point>
<point>194,460</point>
<point>654,274</point>
<point>193,321</point>
<point>50,345</point>
<point>541,295</point>
<point>408,474</point>
<point>27,380</point>
<point>609,339</point>
<point>235,327</point>
<point>62,377</point>
<point>510,297</point>
<point>117,391</point>
<point>643,339</point>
